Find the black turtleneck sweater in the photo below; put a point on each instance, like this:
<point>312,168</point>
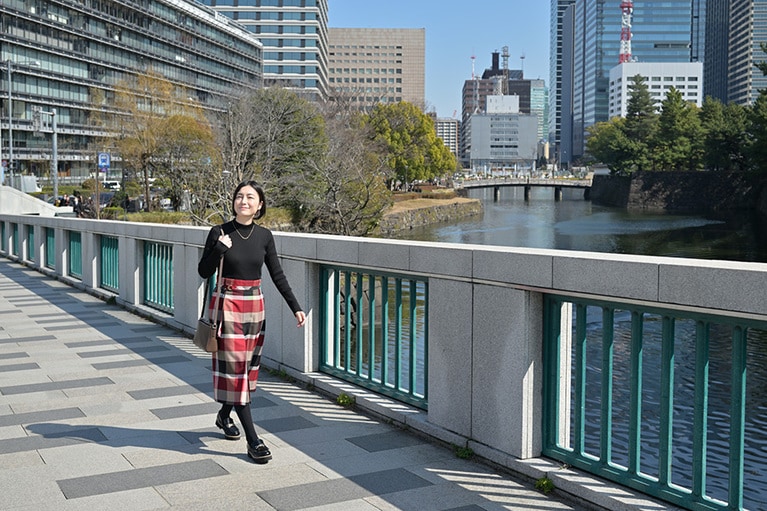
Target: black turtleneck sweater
<point>246,257</point>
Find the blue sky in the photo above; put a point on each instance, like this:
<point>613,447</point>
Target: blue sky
<point>456,30</point>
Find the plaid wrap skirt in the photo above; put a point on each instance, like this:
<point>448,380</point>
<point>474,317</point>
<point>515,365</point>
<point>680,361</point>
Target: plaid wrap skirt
<point>240,340</point>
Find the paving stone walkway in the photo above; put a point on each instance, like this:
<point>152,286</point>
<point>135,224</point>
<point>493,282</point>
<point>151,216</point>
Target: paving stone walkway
<point>101,409</point>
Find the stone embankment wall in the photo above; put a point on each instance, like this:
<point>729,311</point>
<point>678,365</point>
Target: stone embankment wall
<point>410,218</point>
<point>682,191</point>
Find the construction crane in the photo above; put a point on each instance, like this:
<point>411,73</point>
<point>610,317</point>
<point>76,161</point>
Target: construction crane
<point>627,10</point>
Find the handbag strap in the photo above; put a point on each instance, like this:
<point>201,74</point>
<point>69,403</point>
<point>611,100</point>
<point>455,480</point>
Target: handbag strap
<point>219,278</point>
<point>218,290</point>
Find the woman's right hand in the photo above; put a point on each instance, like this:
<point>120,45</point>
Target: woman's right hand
<point>226,240</point>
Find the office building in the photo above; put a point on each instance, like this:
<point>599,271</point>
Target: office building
<point>717,43</point>
<point>70,56</point>
<point>560,58</point>
<point>448,130</point>
<point>670,31</point>
<point>747,32</point>
<point>378,65</point>
<point>499,80</point>
<point>502,138</point>
<point>295,38</point>
<point>660,77</point>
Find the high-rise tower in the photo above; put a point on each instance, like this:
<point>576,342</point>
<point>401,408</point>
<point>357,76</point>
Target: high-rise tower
<point>558,44</point>
<point>669,31</point>
<point>295,38</point>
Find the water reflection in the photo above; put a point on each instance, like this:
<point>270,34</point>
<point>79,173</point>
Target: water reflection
<point>577,224</point>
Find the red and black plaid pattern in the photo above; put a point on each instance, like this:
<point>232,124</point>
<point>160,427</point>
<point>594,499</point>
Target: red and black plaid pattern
<point>240,340</point>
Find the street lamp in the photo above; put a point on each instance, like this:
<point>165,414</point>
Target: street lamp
<point>9,69</point>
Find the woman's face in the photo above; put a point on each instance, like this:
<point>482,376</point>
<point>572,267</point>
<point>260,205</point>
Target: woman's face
<point>247,202</point>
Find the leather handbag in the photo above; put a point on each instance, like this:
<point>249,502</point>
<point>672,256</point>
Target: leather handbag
<point>207,329</point>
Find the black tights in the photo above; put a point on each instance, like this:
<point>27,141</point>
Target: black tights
<point>246,419</point>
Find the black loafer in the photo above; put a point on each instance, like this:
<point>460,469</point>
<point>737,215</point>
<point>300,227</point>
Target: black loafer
<point>230,430</point>
<point>259,452</point>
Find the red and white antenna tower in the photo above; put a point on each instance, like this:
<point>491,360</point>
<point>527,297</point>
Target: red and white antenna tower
<point>473,58</point>
<point>627,9</point>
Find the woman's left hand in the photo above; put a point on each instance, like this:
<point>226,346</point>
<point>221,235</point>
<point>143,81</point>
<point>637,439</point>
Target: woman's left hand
<point>301,318</point>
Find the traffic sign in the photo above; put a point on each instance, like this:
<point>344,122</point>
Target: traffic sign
<point>104,160</point>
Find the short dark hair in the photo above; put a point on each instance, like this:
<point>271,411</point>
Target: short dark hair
<point>260,191</point>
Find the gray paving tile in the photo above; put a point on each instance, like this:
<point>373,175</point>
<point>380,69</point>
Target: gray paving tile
<point>145,328</point>
<point>14,355</point>
<point>178,390</point>
<point>139,478</point>
<point>42,416</point>
<point>18,367</point>
<point>102,323</point>
<point>132,340</point>
<point>54,385</point>
<point>49,320</point>
<point>342,490</point>
<point>30,339</point>
<point>33,443</point>
<point>140,362</point>
<point>283,424</point>
<point>60,328</point>
<point>176,412</point>
<point>385,441</point>
<point>88,344</point>
<point>472,507</point>
<point>104,353</point>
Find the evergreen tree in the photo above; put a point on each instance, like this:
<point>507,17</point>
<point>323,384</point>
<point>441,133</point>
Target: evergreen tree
<point>640,126</point>
<point>757,149</point>
<point>679,137</point>
<point>725,141</point>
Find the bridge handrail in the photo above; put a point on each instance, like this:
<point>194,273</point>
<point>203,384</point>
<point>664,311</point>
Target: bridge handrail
<point>523,181</point>
<point>486,309</point>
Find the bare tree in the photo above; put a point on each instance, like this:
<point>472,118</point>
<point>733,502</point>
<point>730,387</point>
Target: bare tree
<point>353,175</point>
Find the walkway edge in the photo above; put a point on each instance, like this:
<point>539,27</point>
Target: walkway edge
<point>570,484</point>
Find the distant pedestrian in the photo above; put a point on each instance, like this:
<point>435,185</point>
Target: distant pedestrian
<point>245,247</point>
<point>77,203</point>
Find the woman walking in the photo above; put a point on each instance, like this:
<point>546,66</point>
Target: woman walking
<point>245,247</point>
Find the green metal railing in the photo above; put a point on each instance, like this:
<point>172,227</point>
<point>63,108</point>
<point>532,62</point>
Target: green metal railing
<point>648,397</point>
<point>15,246</point>
<point>30,242</point>
<point>2,237</point>
<point>158,276</point>
<point>375,332</point>
<point>109,264</point>
<point>75,255</point>
<point>50,247</point>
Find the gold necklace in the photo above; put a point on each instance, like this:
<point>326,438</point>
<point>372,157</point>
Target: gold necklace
<point>252,228</point>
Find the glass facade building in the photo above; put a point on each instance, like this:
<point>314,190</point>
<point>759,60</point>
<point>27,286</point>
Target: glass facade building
<point>70,55</point>
<point>669,31</point>
<point>747,32</point>
<point>559,35</point>
<point>295,38</point>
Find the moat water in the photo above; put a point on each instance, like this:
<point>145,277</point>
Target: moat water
<point>577,224</point>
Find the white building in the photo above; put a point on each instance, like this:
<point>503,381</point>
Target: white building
<point>686,77</point>
<point>502,137</point>
<point>448,129</point>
